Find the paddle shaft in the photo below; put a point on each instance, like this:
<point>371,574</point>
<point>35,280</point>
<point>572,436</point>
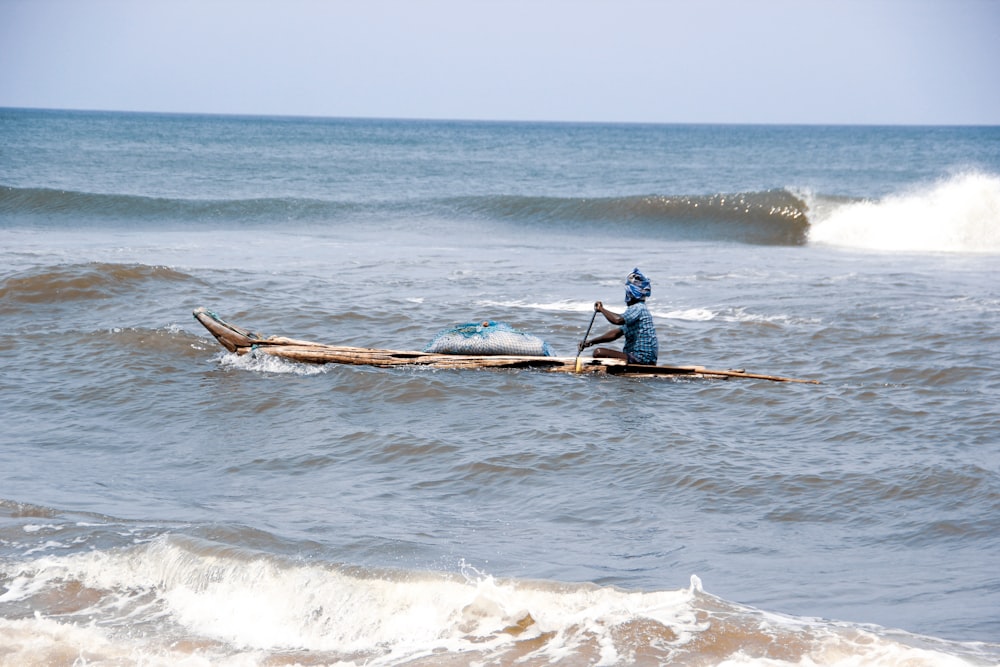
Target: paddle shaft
<point>587,335</point>
<point>579,348</point>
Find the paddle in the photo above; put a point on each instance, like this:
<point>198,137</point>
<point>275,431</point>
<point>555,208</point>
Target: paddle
<point>579,348</point>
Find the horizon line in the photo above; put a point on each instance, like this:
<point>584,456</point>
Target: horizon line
<point>512,121</point>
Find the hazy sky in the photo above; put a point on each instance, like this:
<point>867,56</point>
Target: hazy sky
<point>740,61</point>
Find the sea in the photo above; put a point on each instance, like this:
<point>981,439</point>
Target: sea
<point>166,502</point>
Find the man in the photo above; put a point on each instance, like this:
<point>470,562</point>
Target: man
<point>636,324</point>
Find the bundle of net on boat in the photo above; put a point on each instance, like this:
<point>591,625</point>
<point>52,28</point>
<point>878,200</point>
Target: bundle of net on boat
<point>488,338</point>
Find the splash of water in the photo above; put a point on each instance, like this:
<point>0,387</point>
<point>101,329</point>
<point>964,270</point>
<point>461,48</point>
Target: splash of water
<point>960,215</point>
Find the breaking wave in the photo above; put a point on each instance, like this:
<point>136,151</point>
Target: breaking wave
<point>959,214</point>
<point>197,599</point>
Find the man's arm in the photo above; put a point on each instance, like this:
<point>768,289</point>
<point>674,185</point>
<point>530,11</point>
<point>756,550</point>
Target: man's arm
<point>614,318</point>
<point>607,337</point>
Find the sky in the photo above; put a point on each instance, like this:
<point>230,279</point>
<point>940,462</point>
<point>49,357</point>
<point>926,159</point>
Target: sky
<point>934,62</point>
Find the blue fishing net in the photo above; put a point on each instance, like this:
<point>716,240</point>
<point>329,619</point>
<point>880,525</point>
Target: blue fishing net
<point>488,338</point>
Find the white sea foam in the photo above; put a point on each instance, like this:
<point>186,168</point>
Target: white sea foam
<point>687,314</point>
<point>34,527</point>
<point>693,314</point>
<point>204,603</point>
<point>266,363</point>
<point>960,214</point>
<point>690,314</point>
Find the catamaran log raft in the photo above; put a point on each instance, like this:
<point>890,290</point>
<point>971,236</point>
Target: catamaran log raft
<point>242,341</point>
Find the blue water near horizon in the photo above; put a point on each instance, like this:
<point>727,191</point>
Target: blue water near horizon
<point>163,501</point>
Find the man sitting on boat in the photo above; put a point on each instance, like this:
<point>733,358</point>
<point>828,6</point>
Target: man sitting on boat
<point>636,324</point>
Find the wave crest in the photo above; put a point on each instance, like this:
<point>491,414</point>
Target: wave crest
<point>960,214</point>
<point>775,217</point>
<point>771,217</point>
<point>50,203</point>
<point>216,601</point>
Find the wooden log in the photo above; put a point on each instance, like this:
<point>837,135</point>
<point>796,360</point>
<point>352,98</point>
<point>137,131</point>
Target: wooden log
<point>326,354</point>
<point>701,370</point>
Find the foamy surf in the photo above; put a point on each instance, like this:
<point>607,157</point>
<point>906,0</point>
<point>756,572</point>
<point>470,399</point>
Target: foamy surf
<point>266,363</point>
<point>180,600</point>
<point>960,215</point>
<point>688,314</point>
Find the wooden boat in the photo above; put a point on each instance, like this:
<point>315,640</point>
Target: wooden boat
<point>242,341</point>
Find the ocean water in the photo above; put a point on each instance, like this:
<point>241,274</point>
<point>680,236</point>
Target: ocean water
<point>163,502</point>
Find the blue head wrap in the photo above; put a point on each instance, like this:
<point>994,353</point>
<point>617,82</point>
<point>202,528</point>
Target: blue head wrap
<point>636,286</point>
